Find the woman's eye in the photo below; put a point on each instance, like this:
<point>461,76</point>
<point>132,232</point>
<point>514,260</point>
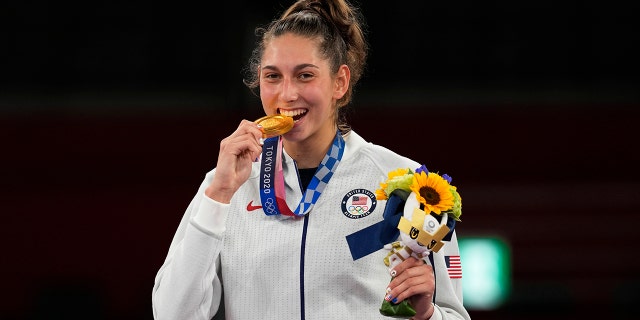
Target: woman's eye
<point>305,76</point>
<point>271,76</point>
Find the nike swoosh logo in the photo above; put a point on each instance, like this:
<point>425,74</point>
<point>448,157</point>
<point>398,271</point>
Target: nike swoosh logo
<point>251,207</point>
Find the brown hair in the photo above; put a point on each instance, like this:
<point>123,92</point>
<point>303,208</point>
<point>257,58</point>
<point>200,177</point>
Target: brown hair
<point>337,24</point>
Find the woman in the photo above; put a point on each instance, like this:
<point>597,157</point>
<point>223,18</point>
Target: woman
<point>241,253</point>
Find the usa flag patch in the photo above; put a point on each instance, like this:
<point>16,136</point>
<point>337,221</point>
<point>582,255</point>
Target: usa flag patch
<point>359,200</point>
<point>454,267</point>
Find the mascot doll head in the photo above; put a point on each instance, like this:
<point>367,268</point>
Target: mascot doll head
<point>421,231</point>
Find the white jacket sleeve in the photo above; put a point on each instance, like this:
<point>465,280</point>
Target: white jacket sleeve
<point>448,304</point>
<point>187,285</point>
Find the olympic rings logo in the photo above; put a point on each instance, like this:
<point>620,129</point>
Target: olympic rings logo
<point>269,206</point>
<point>357,209</point>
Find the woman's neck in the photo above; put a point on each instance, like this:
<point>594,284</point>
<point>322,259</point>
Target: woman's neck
<point>310,152</point>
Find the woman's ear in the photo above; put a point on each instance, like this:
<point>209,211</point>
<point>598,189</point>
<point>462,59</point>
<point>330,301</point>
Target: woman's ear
<point>342,81</point>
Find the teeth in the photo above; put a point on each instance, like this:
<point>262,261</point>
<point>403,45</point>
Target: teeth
<point>292,113</point>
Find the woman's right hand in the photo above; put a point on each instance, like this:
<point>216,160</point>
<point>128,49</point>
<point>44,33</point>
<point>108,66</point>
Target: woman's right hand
<point>237,153</point>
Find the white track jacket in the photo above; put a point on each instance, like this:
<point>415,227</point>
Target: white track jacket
<point>231,261</point>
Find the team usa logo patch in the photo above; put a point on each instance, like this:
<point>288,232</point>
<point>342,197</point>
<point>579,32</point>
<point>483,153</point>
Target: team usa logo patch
<point>358,203</point>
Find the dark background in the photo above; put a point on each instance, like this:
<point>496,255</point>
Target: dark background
<point>111,112</point>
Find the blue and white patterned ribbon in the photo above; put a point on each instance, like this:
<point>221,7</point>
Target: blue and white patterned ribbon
<point>271,151</point>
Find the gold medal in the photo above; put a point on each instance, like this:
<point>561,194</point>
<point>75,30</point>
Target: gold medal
<point>275,125</point>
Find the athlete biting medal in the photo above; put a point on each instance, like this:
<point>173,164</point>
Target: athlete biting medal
<point>272,188</point>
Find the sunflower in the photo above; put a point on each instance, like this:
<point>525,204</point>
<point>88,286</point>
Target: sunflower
<point>433,192</point>
<point>397,179</point>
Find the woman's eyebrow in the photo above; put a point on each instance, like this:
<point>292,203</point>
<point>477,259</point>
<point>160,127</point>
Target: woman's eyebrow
<point>296,68</point>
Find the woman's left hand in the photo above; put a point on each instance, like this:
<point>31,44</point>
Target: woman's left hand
<point>414,280</point>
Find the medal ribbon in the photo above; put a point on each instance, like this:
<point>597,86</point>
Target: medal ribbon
<point>280,192</point>
<point>272,190</point>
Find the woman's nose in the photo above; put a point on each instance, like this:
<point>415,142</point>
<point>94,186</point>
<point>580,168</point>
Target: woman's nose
<point>289,90</point>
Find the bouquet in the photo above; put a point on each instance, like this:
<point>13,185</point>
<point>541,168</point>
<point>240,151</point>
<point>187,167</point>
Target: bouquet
<point>430,200</point>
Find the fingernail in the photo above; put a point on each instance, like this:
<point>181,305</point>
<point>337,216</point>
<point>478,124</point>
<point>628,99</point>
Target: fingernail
<point>261,141</point>
<point>388,290</point>
<point>393,273</point>
<point>388,297</point>
<point>394,301</point>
